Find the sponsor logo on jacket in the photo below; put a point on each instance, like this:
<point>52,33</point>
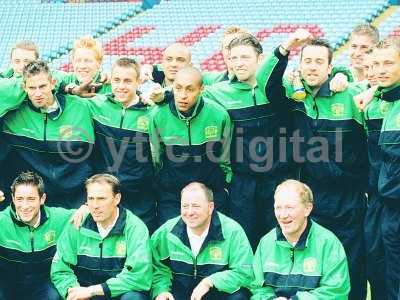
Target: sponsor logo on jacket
<point>337,109</point>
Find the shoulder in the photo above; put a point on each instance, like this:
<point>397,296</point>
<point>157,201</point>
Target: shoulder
<point>166,228</point>
<point>323,235</point>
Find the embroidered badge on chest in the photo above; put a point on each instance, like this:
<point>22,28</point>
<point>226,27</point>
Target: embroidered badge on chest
<point>309,265</point>
<point>50,237</point>
<point>215,253</point>
<point>211,132</point>
<point>337,110</point>
<point>142,123</point>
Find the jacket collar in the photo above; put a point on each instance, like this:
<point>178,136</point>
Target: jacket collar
<point>324,90</point>
<point>214,232</point>
<point>138,105</point>
<point>193,112</point>
<point>118,228</point>
<point>302,242</point>
<point>17,221</point>
<point>9,73</point>
<point>60,98</point>
<point>389,94</point>
<point>238,84</point>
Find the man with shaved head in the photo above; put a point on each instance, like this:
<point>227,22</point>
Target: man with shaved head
<point>190,138</point>
<point>175,57</point>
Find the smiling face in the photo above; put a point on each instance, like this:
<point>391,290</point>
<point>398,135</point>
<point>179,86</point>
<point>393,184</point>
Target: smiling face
<point>244,61</point>
<point>124,83</point>
<point>196,210</point>
<point>386,62</point>
<point>85,64</point>
<point>291,213</point>
<point>369,70</point>
<point>314,65</point>
<point>359,45</point>
<point>27,202</point>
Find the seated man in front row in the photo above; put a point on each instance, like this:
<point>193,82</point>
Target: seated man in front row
<point>202,254</point>
<point>299,259</point>
<point>109,257</point>
<point>28,236</point>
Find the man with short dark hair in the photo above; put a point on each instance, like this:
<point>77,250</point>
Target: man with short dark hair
<point>259,156</point>
<point>330,145</point>
<point>122,147</point>
<point>51,134</point>
<point>201,254</point>
<point>299,259</point>
<point>28,236</point>
<point>109,257</point>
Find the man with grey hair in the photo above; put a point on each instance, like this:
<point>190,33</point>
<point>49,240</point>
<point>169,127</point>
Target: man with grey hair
<point>201,254</point>
<point>299,259</point>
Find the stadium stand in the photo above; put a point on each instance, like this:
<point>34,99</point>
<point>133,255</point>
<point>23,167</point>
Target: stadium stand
<point>203,22</point>
<point>200,27</point>
<point>55,26</point>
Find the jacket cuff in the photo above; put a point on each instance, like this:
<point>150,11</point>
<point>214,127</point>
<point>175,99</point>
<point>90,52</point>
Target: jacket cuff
<point>279,55</point>
<point>106,290</point>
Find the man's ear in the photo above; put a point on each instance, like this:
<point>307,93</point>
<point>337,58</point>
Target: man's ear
<point>117,198</point>
<point>43,198</point>
<point>260,58</point>
<point>330,67</point>
<point>212,206</point>
<point>309,207</point>
<point>53,83</point>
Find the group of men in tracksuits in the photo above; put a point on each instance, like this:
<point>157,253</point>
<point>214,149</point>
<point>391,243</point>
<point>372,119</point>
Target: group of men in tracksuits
<point>241,136</point>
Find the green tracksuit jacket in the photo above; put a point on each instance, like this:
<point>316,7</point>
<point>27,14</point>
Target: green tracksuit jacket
<point>314,269</point>
<point>121,262</point>
<point>122,144</point>
<point>225,257</point>
<point>55,145</point>
<point>199,143</point>
<point>258,118</point>
<point>28,251</point>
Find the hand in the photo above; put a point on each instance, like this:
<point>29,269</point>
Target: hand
<point>201,289</point>
<point>297,38</point>
<point>79,293</point>
<point>165,296</point>
<point>339,83</point>
<point>86,89</point>
<point>79,215</point>
<point>105,78</point>
<point>363,99</point>
<point>157,94</point>
<point>2,198</point>
<point>146,72</point>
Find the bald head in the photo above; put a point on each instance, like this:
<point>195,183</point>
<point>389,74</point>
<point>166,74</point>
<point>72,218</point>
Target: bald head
<point>187,86</point>
<point>175,57</point>
<point>192,74</point>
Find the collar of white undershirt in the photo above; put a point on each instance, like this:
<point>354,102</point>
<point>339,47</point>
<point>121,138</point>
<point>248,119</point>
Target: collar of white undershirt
<point>105,231</point>
<point>196,236</point>
<point>51,108</point>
